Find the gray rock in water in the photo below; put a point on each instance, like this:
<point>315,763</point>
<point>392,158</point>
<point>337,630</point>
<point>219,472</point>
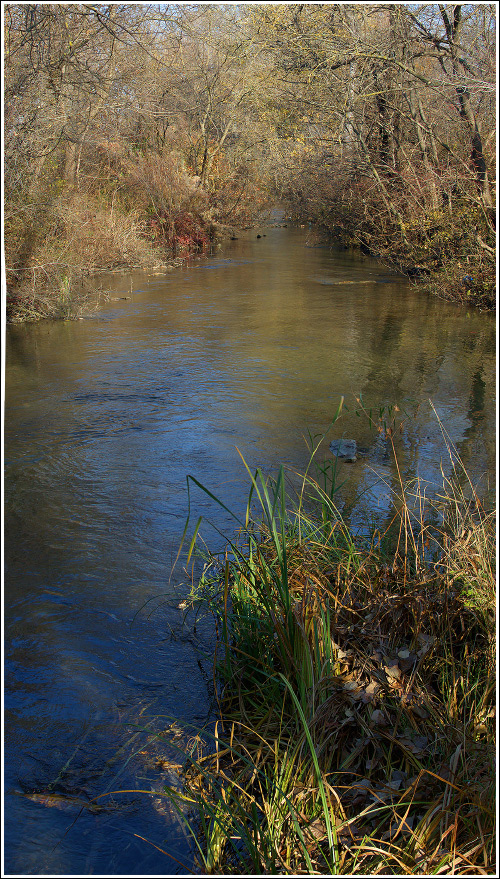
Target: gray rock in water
<point>344,449</point>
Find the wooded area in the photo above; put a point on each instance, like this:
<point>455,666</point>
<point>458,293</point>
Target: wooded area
<point>135,132</point>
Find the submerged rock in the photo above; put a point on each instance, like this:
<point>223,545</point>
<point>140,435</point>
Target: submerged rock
<point>345,449</point>
<point>348,450</point>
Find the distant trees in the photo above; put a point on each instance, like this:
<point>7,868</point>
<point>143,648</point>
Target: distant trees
<point>67,84</point>
<point>156,121</point>
<point>123,124</point>
<point>67,69</point>
<point>387,121</point>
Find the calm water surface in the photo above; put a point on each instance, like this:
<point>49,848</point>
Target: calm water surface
<point>104,418</point>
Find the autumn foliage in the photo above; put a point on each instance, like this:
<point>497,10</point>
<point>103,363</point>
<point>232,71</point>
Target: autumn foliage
<point>171,124</point>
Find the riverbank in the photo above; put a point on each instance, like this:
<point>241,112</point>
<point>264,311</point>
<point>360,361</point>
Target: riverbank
<point>242,350</point>
<point>144,212</point>
<point>82,235</point>
<point>449,255</point>
<point>356,718</point>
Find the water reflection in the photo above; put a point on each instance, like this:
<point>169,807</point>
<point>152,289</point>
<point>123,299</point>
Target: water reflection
<point>105,417</point>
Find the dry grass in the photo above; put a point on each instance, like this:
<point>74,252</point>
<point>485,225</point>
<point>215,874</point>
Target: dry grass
<point>357,704</point>
<point>81,236</point>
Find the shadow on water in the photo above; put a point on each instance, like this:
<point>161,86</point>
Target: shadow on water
<point>104,419</point>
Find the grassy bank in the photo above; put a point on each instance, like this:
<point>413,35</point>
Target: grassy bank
<point>130,210</point>
<point>356,720</point>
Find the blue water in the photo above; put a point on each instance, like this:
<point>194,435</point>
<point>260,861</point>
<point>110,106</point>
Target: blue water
<point>251,349</point>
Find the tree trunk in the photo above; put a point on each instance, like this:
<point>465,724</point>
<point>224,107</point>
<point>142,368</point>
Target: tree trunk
<point>478,160</point>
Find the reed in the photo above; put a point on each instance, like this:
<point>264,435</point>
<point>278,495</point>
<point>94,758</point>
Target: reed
<point>356,690</point>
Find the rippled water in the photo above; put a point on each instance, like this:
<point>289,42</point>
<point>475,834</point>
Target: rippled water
<point>104,418</point>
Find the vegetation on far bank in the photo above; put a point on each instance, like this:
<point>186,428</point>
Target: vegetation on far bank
<point>355,729</point>
<point>137,133</point>
<point>124,146</point>
<point>391,135</point>
<point>148,212</point>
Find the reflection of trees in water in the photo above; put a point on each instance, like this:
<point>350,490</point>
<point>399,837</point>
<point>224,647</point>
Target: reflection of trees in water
<point>437,354</point>
<point>477,445</point>
<point>476,399</point>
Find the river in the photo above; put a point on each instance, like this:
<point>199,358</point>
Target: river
<point>249,349</point>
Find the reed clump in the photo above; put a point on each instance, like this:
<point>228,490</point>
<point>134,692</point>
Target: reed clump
<point>356,718</point>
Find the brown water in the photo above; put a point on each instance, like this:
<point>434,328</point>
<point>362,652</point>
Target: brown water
<point>104,418</point>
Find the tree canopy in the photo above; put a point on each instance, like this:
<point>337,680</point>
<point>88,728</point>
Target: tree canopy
<point>376,121</point>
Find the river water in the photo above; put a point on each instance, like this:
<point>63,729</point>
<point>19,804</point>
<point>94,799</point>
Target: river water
<point>104,418</point>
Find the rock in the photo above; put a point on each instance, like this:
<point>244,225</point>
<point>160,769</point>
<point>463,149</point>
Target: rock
<point>345,450</point>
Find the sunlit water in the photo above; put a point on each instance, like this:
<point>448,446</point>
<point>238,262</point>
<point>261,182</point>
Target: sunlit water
<point>104,418</point>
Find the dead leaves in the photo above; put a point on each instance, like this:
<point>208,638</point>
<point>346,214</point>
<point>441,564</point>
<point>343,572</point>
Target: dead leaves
<point>370,677</point>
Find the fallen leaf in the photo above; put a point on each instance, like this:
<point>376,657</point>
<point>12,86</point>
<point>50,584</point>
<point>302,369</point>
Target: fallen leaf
<point>393,671</point>
<point>410,745</point>
<point>316,830</point>
<point>408,663</point>
<point>398,776</point>
<point>370,692</point>
<point>415,705</point>
<point>420,712</point>
<point>426,641</point>
<point>359,791</point>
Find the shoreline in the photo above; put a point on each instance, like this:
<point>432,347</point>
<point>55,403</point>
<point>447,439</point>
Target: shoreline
<point>356,697</point>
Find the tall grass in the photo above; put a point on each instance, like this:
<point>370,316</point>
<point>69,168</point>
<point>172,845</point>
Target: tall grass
<point>356,700</point>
